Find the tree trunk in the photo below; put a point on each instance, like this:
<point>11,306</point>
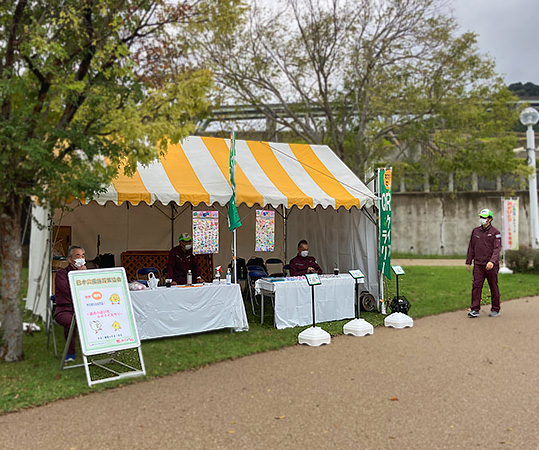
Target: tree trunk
<point>11,254</point>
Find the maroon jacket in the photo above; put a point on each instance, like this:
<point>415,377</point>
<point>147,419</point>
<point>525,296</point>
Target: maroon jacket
<point>299,265</point>
<point>485,246</point>
<point>179,262</point>
<point>62,292</point>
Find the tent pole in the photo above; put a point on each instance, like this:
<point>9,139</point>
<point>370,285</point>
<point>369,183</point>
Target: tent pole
<point>234,258</point>
<point>285,234</point>
<point>49,259</point>
<point>172,225</point>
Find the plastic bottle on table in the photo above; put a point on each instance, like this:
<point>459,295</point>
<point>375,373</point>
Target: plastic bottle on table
<point>228,276</point>
<point>189,277</point>
<point>217,277</point>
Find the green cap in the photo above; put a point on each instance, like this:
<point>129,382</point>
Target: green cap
<point>485,213</point>
<point>185,237</point>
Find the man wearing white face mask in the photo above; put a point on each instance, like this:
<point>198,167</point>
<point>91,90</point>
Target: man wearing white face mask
<point>63,313</point>
<point>484,251</point>
<point>181,260</point>
<point>303,263</point>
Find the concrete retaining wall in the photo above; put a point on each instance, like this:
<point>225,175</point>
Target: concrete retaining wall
<point>441,223</point>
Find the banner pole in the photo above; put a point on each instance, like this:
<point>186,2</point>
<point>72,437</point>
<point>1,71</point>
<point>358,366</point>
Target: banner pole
<point>234,258</point>
<point>378,188</point>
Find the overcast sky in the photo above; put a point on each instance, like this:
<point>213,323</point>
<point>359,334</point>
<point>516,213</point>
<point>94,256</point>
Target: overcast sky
<point>508,31</point>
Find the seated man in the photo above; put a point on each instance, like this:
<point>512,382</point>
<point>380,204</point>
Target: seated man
<point>303,263</point>
<point>63,314</point>
<point>181,260</point>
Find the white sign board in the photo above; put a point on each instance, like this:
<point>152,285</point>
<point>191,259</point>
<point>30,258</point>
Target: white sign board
<point>510,224</point>
<point>356,274</point>
<point>312,279</point>
<point>103,310</point>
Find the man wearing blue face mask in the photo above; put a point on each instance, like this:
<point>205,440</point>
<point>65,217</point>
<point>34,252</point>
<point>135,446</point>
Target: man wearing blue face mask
<point>484,251</point>
<point>181,260</point>
<point>63,313</point>
<point>303,263</point>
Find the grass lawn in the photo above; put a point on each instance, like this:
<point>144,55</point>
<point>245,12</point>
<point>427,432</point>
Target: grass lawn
<point>410,255</point>
<point>37,380</point>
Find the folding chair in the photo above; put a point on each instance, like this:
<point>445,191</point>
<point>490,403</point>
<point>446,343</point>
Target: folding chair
<point>257,261</point>
<point>50,322</point>
<point>286,270</point>
<point>275,262</point>
<point>254,273</point>
<point>145,271</point>
<point>241,270</point>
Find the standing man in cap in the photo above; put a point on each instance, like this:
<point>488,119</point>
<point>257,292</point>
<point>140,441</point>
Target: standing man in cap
<point>181,260</point>
<point>484,251</point>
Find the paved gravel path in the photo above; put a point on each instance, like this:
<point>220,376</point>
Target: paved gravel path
<point>449,382</point>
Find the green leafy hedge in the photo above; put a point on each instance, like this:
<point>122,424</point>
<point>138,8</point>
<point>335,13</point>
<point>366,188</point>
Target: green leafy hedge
<point>523,260</point>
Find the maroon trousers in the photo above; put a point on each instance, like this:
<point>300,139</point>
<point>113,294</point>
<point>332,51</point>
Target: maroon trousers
<point>64,317</point>
<point>479,275</point>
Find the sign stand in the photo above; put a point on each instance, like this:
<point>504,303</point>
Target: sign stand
<point>314,336</point>
<point>101,363</point>
<point>105,323</point>
<point>398,319</point>
<point>357,326</point>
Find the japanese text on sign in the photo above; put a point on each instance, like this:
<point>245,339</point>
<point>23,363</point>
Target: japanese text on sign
<point>384,263</point>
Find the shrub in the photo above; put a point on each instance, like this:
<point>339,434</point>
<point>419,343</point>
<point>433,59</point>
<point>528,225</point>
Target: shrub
<point>535,260</point>
<point>519,260</point>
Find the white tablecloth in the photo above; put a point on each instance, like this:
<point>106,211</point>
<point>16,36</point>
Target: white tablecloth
<point>184,310</point>
<point>334,300</point>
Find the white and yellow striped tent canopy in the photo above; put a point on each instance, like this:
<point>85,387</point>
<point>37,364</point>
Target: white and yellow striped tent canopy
<point>197,171</point>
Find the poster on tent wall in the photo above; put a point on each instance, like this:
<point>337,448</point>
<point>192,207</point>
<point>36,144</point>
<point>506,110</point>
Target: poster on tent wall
<point>205,232</point>
<point>510,224</point>
<point>265,231</point>
<point>384,263</point>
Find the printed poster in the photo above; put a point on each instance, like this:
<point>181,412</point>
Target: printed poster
<point>103,309</point>
<point>265,231</point>
<point>510,224</point>
<point>205,232</point>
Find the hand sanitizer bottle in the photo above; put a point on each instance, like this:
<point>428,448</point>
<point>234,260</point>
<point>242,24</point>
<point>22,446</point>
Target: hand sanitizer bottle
<point>228,277</point>
<point>189,277</point>
<point>217,277</point>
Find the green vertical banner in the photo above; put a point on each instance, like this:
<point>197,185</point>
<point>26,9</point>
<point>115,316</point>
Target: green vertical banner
<point>233,216</point>
<point>384,263</point>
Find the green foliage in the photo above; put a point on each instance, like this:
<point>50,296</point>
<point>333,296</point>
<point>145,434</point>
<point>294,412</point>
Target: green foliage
<point>374,80</point>
<point>523,260</point>
<point>524,90</point>
<point>36,381</point>
<point>87,87</point>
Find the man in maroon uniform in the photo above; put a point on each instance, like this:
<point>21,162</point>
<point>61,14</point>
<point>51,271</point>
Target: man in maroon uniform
<point>303,263</point>
<point>484,251</point>
<point>181,260</point>
<point>63,313</point>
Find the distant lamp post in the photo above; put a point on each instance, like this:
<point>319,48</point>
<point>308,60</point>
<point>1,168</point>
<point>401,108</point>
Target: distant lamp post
<point>529,117</point>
